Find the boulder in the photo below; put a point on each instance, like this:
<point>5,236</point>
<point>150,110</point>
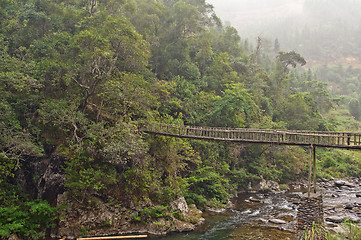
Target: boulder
<point>269,186</point>
<point>181,205</point>
<point>266,186</point>
<point>340,183</point>
<point>343,183</point>
<point>13,237</point>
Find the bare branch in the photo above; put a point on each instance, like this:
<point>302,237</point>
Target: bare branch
<point>81,85</point>
<point>91,6</point>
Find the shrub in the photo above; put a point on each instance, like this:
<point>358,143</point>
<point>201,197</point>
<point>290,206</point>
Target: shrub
<point>204,185</point>
<point>29,219</point>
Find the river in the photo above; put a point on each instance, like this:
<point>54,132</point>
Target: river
<point>274,216</point>
<point>251,218</point>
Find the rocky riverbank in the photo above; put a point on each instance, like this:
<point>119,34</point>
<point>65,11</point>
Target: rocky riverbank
<point>264,206</point>
<point>342,201</point>
<point>102,219</point>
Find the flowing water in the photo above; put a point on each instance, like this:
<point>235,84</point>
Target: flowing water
<point>273,216</point>
<point>251,218</point>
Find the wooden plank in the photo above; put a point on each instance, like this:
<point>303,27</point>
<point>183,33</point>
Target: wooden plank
<point>114,237</point>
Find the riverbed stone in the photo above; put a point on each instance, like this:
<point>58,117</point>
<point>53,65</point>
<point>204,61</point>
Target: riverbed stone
<point>340,219</point>
<point>330,224</point>
<point>354,218</point>
<point>256,200</point>
<point>262,220</point>
<point>216,210</point>
<point>340,183</point>
<point>345,184</point>
<point>277,221</point>
<point>335,219</point>
<point>349,206</point>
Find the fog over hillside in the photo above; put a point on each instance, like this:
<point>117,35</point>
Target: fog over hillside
<point>252,17</point>
<point>321,30</point>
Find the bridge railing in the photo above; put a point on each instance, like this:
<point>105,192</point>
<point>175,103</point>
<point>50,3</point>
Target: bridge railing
<point>291,137</point>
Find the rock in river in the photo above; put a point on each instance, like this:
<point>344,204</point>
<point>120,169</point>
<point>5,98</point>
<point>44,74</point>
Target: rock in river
<point>277,221</point>
<point>335,219</point>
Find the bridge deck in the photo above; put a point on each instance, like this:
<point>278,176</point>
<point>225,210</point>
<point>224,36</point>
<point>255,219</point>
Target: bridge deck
<point>286,137</point>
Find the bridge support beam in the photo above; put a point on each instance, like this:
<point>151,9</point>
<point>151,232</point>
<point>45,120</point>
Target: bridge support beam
<point>312,162</point>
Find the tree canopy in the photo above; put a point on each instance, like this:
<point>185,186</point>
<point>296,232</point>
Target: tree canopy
<point>79,77</point>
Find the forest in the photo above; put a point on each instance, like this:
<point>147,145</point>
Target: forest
<point>78,78</point>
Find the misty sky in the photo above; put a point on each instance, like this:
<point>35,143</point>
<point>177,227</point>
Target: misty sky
<point>249,16</point>
<point>318,29</point>
<point>254,17</point>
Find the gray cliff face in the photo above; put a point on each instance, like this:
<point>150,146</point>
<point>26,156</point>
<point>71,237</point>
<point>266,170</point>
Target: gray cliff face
<point>42,178</point>
<point>51,183</point>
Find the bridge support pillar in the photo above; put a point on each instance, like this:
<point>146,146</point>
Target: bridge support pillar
<point>312,163</point>
<point>310,211</point>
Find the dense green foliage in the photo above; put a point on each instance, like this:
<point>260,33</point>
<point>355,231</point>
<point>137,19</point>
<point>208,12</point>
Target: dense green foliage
<point>344,83</point>
<point>78,79</point>
<point>23,216</point>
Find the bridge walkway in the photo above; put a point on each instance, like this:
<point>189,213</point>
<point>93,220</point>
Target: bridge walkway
<point>346,140</point>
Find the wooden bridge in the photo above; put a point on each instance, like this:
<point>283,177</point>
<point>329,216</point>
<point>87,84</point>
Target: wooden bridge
<point>346,140</point>
<point>246,135</point>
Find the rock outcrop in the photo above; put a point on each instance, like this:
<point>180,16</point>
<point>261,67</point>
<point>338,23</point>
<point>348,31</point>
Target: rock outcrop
<point>102,219</point>
<point>264,186</point>
<point>42,177</point>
